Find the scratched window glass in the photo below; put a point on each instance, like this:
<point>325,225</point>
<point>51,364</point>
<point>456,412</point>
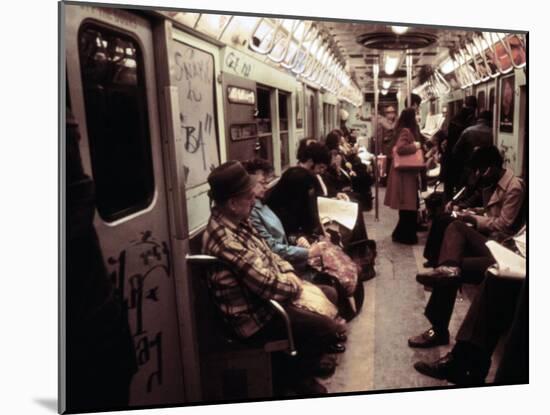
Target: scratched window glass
<point>194,76</point>
<point>117,122</point>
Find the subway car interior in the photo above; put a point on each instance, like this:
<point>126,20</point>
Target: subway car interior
<point>271,207</point>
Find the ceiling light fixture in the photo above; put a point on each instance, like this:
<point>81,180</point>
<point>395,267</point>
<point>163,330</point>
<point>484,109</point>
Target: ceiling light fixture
<point>399,30</point>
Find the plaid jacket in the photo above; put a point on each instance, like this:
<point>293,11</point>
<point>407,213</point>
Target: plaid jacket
<point>260,274</point>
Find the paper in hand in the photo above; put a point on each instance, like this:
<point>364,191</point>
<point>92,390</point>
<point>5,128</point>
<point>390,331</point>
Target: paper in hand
<point>345,213</point>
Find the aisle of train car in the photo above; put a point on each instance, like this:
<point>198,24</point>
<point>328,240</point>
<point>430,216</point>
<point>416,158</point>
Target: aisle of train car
<point>377,356</point>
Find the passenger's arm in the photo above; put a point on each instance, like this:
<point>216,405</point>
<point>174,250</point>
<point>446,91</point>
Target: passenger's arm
<point>405,143</point>
<point>511,207</point>
<point>286,251</point>
<point>262,279</point>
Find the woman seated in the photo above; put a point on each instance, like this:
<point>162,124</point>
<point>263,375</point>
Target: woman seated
<point>318,261</point>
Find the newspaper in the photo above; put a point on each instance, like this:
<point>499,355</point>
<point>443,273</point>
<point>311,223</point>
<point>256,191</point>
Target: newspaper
<point>345,213</point>
<point>508,263</point>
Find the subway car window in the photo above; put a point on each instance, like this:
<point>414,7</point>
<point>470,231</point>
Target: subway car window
<point>116,116</point>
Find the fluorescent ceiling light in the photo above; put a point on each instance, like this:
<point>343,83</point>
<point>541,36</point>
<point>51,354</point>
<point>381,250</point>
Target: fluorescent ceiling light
<point>386,84</point>
<point>399,30</point>
<point>384,91</point>
<point>391,61</point>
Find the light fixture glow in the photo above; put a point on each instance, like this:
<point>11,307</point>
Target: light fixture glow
<point>384,91</point>
<point>386,84</point>
<point>399,30</point>
<point>391,62</point>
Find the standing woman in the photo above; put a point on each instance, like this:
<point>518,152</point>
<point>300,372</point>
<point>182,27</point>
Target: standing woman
<point>402,189</point>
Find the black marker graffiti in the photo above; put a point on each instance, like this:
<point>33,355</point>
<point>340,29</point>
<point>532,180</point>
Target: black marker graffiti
<point>233,62</point>
<point>194,137</point>
<point>155,258</point>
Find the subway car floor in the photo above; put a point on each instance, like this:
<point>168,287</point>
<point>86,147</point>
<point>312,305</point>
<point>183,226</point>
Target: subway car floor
<point>377,355</point>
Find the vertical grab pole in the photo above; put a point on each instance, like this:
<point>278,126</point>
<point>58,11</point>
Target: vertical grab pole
<point>408,60</point>
<point>375,69</point>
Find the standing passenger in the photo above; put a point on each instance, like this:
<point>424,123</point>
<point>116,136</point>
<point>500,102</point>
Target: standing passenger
<point>402,191</point>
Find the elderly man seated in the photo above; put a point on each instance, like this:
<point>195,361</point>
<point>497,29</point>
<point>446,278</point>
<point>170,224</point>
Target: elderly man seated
<point>261,275</point>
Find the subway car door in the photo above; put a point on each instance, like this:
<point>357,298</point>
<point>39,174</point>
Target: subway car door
<point>111,78</point>
<point>241,111</point>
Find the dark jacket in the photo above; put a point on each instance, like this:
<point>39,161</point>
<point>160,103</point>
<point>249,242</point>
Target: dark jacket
<point>478,135</point>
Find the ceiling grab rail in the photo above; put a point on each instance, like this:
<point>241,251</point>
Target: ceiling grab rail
<point>307,51</point>
<point>271,36</point>
<point>478,40</point>
<point>495,58</point>
<point>291,61</point>
<point>472,51</point>
<point>319,63</point>
<point>460,77</point>
<point>283,43</point>
<point>467,68</point>
<point>311,59</point>
<point>505,41</point>
<point>441,82</point>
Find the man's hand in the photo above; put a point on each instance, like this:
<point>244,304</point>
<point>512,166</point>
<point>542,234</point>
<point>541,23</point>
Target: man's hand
<point>296,282</point>
<point>468,218</point>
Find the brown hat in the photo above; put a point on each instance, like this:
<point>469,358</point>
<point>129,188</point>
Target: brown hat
<point>228,180</point>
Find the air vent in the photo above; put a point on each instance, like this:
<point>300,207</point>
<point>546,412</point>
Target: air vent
<point>391,41</point>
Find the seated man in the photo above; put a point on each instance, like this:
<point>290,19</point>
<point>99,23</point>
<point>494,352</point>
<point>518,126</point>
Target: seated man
<point>500,303</point>
<point>262,275</point>
<point>463,255</point>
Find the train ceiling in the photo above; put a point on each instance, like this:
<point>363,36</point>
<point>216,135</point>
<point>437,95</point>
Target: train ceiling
<point>340,57</point>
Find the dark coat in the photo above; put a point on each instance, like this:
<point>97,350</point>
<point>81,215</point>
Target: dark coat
<point>478,135</point>
<point>402,187</point>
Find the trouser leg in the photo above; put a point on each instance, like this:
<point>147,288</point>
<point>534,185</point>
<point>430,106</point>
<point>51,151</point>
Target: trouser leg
<point>435,237</point>
<point>461,240</point>
<point>490,313</point>
<point>440,307</point>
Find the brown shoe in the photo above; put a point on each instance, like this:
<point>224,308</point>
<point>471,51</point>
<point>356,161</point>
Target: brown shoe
<point>430,338</point>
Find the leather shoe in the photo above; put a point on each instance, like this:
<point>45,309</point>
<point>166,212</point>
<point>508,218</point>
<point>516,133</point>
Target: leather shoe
<point>336,348</point>
<point>341,337</point>
<point>429,264</point>
<point>455,372</point>
<point>440,276</point>
<point>439,369</point>
<point>325,367</point>
<point>429,338</point>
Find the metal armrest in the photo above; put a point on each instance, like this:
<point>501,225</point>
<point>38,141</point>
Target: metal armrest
<point>284,315</point>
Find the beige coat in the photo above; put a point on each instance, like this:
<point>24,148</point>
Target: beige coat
<point>402,188</point>
<point>504,205</point>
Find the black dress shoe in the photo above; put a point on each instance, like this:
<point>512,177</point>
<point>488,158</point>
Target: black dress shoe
<point>439,369</point>
<point>341,337</point>
<point>449,368</point>
<point>336,348</point>
<point>429,338</point>
<point>440,276</point>
<point>429,264</point>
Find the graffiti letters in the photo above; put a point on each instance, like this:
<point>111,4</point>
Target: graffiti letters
<point>138,293</point>
<point>194,136</point>
<point>234,62</point>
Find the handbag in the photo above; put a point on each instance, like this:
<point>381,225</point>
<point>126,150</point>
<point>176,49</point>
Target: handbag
<point>409,161</point>
<point>334,261</point>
